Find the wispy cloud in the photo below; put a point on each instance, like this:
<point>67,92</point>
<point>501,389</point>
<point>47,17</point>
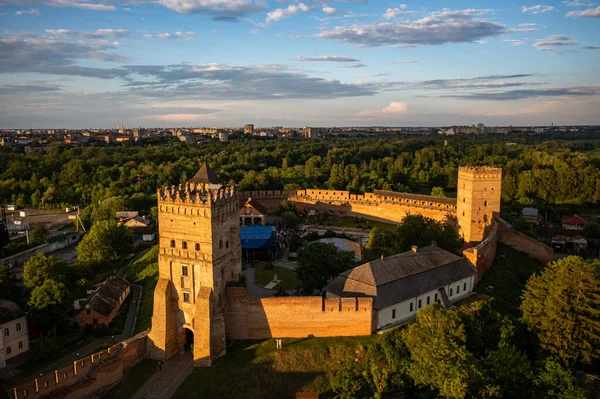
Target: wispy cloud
<point>31,11</point>
<point>405,62</point>
<point>539,9</point>
<point>589,13</point>
<point>573,91</point>
<point>514,43</point>
<point>282,13</point>
<point>98,34</point>
<point>174,35</point>
<point>447,26</point>
<point>392,13</point>
<point>591,47</point>
<point>552,42</point>
<point>327,58</point>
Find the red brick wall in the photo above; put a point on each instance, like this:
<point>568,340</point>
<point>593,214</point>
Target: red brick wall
<point>524,243</point>
<point>296,317</point>
<point>482,256</point>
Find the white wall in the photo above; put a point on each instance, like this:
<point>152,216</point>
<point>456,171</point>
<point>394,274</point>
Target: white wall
<point>13,339</point>
<point>403,311</point>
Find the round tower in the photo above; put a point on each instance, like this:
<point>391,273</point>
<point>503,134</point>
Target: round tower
<point>478,200</point>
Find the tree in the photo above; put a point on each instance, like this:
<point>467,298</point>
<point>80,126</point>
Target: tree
<point>42,267</point>
<point>49,303</point>
<point>9,285</point>
<point>320,262</point>
<point>389,361</point>
<point>440,359</point>
<point>347,380</point>
<point>108,208</point>
<point>555,382</point>
<point>107,241</point>
<point>561,305</point>
<point>38,234</point>
<point>438,192</point>
<point>4,236</point>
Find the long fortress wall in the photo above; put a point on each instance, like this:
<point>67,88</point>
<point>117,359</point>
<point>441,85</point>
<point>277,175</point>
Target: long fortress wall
<point>381,205</point>
<point>296,317</point>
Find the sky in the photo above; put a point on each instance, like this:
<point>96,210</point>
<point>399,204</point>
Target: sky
<point>188,63</point>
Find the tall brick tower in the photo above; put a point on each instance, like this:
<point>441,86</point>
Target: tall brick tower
<point>478,200</point>
<point>199,253</point>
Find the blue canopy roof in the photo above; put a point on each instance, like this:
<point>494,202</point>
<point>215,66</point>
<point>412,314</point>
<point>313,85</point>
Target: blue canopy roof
<point>257,236</point>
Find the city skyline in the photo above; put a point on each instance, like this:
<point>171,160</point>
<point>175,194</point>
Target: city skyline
<point>79,64</point>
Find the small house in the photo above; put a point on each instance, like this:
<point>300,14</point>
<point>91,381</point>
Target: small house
<point>104,303</point>
<point>573,222</point>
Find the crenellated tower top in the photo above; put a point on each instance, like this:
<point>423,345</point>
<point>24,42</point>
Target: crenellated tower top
<point>480,172</point>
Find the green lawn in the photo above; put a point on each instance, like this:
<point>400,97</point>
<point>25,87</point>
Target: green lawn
<point>357,223</point>
<point>289,279</point>
<point>144,272</point>
<point>506,279</point>
<point>257,370</point>
<point>134,380</point>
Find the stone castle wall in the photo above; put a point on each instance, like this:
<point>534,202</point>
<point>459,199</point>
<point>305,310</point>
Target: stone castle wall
<point>482,256</point>
<point>296,317</point>
<point>524,243</point>
<point>88,375</point>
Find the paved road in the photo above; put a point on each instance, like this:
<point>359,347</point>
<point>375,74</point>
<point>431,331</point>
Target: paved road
<point>163,383</point>
<point>255,291</point>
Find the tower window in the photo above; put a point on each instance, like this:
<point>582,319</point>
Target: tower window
<point>184,244</point>
<point>484,203</point>
<point>227,244</point>
<point>464,199</point>
<point>186,297</point>
<point>172,243</point>
<point>463,213</point>
<point>197,247</point>
<point>184,270</point>
<point>220,243</point>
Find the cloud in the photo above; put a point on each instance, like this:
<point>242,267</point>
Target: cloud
<point>405,62</point>
<point>552,42</point>
<point>355,65</point>
<point>475,83</point>
<point>392,13</point>
<point>578,3</point>
<point>539,9</point>
<point>589,13</point>
<point>56,55</point>
<point>98,34</point>
<point>327,58</point>
<point>393,109</point>
<point>372,75</point>
<point>73,3</point>
<point>26,88</point>
<point>175,35</point>
<point>447,26</point>
<point>591,47</point>
<point>574,91</point>
<point>515,43</point>
<point>219,8</point>
<point>329,10</point>
<point>282,13</point>
<point>180,118</point>
<point>31,11</point>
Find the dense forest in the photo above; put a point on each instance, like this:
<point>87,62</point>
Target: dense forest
<point>540,170</point>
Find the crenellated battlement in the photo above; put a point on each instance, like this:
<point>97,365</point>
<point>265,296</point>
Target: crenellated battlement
<point>480,172</point>
<point>197,194</point>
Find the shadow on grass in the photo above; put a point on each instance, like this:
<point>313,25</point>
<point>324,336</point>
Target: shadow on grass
<point>257,370</point>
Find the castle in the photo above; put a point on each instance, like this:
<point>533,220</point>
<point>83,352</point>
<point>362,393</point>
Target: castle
<point>196,303</point>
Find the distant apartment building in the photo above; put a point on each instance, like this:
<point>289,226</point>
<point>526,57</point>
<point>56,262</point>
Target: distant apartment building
<point>249,129</point>
<point>14,336</point>
<point>223,136</point>
<point>6,143</point>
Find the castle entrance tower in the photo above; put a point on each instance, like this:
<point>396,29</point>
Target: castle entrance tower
<point>199,253</point>
<point>478,200</point>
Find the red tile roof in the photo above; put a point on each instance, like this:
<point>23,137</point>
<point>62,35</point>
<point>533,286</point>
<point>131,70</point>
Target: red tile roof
<point>573,220</point>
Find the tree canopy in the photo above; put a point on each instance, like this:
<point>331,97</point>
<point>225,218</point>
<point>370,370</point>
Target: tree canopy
<point>412,230</point>
<point>42,267</point>
<point>319,262</point>
<point>561,304</point>
<point>107,241</point>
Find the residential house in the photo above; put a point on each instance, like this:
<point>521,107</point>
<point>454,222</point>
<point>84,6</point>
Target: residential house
<point>104,303</point>
<point>573,222</point>
<point>14,334</point>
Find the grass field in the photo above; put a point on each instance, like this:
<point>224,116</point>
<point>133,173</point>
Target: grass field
<point>144,272</point>
<point>506,278</point>
<point>134,380</point>
<point>257,370</point>
<point>289,279</point>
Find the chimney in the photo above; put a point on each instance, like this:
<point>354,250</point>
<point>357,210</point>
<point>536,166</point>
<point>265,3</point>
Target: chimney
<point>414,248</point>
